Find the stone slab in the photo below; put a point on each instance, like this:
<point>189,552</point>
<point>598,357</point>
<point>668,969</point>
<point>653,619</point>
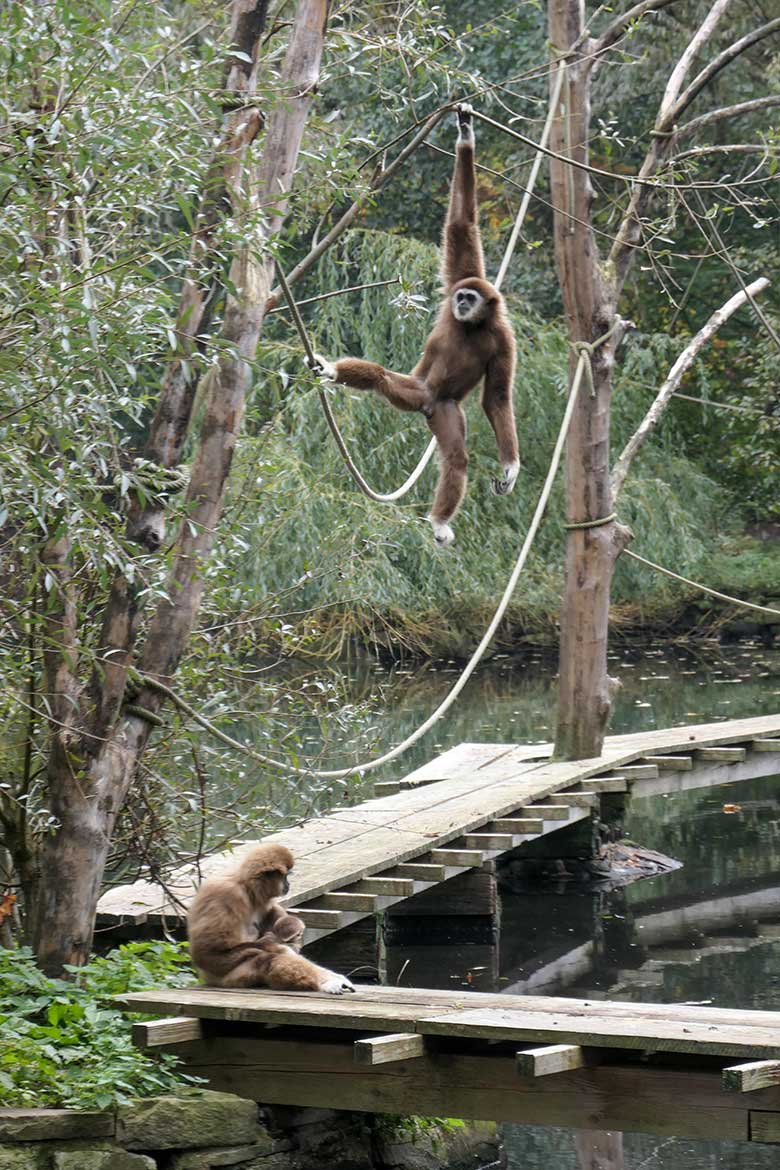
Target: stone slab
<point>44,1125</point>
<point>188,1122</point>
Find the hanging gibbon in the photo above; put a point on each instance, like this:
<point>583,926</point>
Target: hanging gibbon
<point>471,340</point>
<point>240,935</point>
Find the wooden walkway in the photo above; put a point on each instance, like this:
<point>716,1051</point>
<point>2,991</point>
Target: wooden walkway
<point>472,804</point>
<point>695,1072</point>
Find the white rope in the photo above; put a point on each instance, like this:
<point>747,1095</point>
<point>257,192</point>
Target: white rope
<point>533,175</point>
<point>703,588</point>
<point>444,706</point>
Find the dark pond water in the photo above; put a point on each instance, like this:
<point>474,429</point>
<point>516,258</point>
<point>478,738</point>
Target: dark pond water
<point>708,932</point>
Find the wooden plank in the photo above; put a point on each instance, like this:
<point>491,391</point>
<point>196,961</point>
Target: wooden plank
<point>387,787</point>
<point>747,1078</point>
<point>639,771</point>
<point>517,825</point>
<point>549,812</point>
<point>173,1030</point>
<point>599,1030</point>
<point>550,1059</point>
<point>765,745</point>
<point>320,918</point>
<point>604,784</point>
<point>468,858</point>
<point>395,887</point>
<point>463,759</point>
<point>577,799</point>
<point>488,841</point>
<point>764,1126</point>
<point>669,763</point>
<point>345,900</point>
<point>724,755</point>
<point>670,1102</point>
<point>421,872</point>
<point>388,1049</point>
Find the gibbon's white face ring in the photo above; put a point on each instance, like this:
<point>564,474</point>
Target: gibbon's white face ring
<point>468,305</point>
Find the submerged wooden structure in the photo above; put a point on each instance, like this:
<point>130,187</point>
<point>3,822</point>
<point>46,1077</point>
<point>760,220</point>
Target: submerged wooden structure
<point>693,1072</point>
<point>471,805</point>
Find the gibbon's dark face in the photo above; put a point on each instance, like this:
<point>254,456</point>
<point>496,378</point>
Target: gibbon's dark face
<point>468,305</point>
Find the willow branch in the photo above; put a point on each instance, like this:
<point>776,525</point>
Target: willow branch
<point>680,367</point>
<point>349,215</point>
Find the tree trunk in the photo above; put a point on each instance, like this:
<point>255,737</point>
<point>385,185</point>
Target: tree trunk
<point>87,788</point>
<point>589,302</point>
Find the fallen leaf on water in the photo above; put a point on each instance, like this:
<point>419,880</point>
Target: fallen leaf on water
<point>732,808</point>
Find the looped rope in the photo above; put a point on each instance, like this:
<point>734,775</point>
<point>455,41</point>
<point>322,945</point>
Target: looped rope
<point>584,524</point>
<point>313,364</point>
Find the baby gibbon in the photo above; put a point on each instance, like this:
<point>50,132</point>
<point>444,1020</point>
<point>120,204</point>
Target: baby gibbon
<point>240,936</point>
<point>472,340</point>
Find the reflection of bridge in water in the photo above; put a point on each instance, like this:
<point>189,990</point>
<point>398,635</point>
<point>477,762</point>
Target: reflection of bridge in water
<point>423,855</point>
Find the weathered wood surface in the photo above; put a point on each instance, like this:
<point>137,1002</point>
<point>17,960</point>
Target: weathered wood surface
<point>386,1049</point>
<point>633,1097</point>
<point>176,1030</point>
<point>649,1027</point>
<point>467,788</point>
<point>550,1060</point>
<point>748,1078</point>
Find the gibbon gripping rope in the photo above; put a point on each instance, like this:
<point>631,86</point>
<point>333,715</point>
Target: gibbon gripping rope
<point>365,487</point>
<point>584,355</point>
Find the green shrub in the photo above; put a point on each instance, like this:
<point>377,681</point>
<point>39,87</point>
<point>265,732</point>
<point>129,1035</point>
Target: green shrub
<point>65,1044</point>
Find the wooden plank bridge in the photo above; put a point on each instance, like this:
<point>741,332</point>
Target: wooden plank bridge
<point>695,1072</point>
<point>680,1070</point>
<point>471,805</point>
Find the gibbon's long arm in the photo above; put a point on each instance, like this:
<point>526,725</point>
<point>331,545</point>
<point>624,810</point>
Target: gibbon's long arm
<point>462,243</point>
<point>404,391</point>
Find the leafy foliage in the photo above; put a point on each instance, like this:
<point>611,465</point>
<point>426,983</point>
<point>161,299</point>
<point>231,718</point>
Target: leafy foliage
<point>65,1044</point>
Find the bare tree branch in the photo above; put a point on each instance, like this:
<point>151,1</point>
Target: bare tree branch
<point>736,111</point>
<point>676,78</point>
<point>674,377</point>
<point>614,31</point>
<point>726,148</point>
<point>718,63</point>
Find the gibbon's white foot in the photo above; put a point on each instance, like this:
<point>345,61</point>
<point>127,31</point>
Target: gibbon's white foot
<point>442,534</point>
<point>337,985</point>
<point>323,368</point>
<point>502,487</point>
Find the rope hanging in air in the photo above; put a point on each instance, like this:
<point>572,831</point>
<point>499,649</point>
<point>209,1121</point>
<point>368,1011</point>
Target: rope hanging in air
<point>584,357</point>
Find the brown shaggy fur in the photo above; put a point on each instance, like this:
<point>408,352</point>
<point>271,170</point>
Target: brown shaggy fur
<point>458,354</point>
<point>240,935</point>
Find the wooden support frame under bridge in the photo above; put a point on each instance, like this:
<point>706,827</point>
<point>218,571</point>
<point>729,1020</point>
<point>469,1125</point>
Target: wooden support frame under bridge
<point>671,1070</point>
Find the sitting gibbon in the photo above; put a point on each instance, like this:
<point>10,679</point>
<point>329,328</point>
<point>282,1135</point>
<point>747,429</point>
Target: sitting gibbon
<point>471,340</point>
<point>240,936</point>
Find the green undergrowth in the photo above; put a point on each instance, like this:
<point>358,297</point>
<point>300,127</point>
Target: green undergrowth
<point>65,1044</point>
<point>339,567</point>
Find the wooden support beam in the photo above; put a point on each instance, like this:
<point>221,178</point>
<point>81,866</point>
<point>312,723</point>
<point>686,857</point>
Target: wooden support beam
<point>323,919</point>
<point>549,812</point>
<point>670,763</point>
<point>462,857</point>
<point>639,771</point>
<point>343,900</point>
<point>519,826</point>
<point>765,745</point>
<point>488,841</point>
<point>757,1074</point>
<point>384,1049</point>
<point>386,787</point>
<point>722,755</point>
<point>392,886</point>
<point>605,783</point>
<point>550,1059</point>
<point>420,871</point>
<point>577,799</point>
<point>174,1030</point>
